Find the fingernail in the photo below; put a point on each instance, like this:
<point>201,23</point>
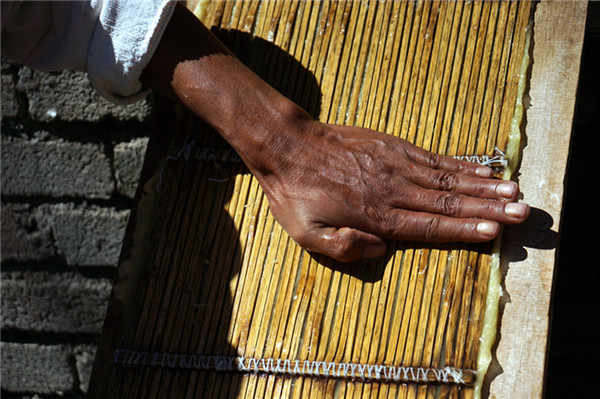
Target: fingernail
<point>505,190</point>
<point>516,210</point>
<point>487,228</point>
<point>484,172</point>
<point>374,251</point>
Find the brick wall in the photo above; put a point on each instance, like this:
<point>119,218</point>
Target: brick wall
<point>70,165</point>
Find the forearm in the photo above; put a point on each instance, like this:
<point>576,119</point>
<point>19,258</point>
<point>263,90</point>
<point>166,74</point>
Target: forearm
<point>246,111</point>
<point>209,80</point>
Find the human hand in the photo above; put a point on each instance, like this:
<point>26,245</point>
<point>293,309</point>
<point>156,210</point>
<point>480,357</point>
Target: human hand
<point>337,190</point>
<point>341,191</point>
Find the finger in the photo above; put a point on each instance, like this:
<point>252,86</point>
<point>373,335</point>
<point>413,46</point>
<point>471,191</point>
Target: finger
<point>463,206</point>
<point>421,226</point>
<point>344,244</point>
<point>444,180</point>
<point>436,161</point>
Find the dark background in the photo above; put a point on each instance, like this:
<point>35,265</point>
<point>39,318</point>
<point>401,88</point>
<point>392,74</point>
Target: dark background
<point>574,350</point>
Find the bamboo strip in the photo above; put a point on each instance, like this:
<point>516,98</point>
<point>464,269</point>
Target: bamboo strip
<point>409,321</point>
<point>429,358</point>
<point>252,224</point>
<point>469,64</point>
<point>422,139</point>
<point>348,62</point>
<point>434,75</point>
<point>377,296</point>
<point>395,109</point>
<point>455,71</point>
<point>172,310</point>
<point>216,337</point>
<point>221,278</point>
<point>247,236</point>
<point>423,331</point>
<point>335,66</point>
<point>475,318</point>
<point>179,341</point>
<point>372,73</point>
<point>390,64</point>
<point>477,70</point>
<point>426,35</point>
<point>474,129</point>
<point>362,54</point>
<point>502,75</point>
<point>412,68</point>
<point>495,67</point>
<point>523,18</point>
<point>161,286</point>
<point>452,48</point>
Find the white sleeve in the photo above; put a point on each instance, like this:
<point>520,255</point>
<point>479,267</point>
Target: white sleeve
<point>125,38</point>
<point>112,40</point>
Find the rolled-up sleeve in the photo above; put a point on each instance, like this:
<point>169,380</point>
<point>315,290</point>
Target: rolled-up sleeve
<point>113,40</point>
<point>124,40</point>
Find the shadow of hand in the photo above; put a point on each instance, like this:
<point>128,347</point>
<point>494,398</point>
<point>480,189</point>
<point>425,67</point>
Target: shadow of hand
<point>535,232</point>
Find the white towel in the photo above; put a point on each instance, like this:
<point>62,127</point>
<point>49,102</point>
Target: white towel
<point>113,40</point>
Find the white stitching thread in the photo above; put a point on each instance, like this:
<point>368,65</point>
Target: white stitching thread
<point>371,372</point>
<point>500,160</point>
<point>208,154</point>
<point>185,151</point>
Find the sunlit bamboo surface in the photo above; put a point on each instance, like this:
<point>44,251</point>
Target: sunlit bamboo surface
<point>221,277</point>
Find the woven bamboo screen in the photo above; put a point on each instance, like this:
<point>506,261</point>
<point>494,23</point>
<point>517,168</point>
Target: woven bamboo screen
<point>218,276</point>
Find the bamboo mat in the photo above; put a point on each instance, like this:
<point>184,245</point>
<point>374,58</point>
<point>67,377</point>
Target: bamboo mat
<point>209,272</point>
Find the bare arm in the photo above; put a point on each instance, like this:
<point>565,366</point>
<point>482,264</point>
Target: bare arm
<point>336,190</point>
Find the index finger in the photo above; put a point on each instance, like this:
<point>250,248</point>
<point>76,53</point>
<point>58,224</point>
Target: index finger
<point>436,161</point>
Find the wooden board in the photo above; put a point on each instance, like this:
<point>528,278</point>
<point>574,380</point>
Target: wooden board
<point>558,40</point>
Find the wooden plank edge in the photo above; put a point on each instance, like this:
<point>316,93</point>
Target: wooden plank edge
<point>527,257</point>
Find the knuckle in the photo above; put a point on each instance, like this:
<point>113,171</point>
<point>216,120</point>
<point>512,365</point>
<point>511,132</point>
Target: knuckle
<point>303,240</point>
<point>340,252</point>
<point>342,249</point>
<point>433,160</point>
<point>492,207</point>
<point>432,227</point>
<point>448,204</point>
<point>388,224</point>
<point>463,168</point>
<point>446,181</point>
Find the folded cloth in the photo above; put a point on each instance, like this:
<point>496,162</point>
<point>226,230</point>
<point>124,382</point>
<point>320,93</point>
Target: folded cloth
<point>113,40</point>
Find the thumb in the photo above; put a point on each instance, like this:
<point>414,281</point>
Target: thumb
<point>345,244</point>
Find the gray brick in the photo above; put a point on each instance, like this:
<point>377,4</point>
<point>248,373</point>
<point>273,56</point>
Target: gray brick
<point>22,238</point>
<point>69,96</point>
<point>128,160</point>
<point>9,104</point>
<point>85,235</point>
<point>55,168</point>
<point>84,360</point>
<point>53,302</point>
<point>43,369</point>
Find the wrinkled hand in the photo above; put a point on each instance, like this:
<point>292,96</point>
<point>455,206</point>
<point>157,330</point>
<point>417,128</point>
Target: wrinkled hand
<point>336,190</point>
<point>343,190</point>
